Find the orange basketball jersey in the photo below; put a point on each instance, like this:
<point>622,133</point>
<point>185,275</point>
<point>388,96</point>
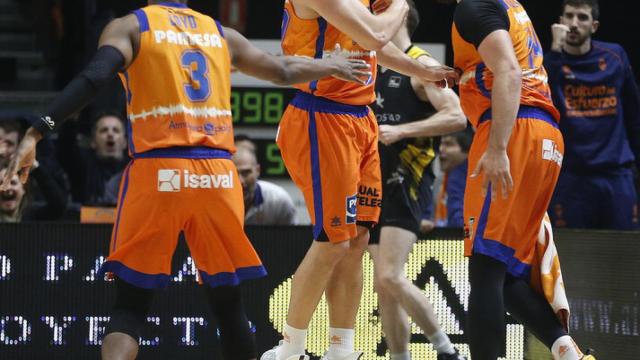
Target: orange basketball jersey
<point>178,88</point>
<point>315,38</point>
<point>477,80</point>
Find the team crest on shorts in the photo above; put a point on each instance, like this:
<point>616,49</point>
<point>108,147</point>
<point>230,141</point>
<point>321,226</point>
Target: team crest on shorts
<point>352,202</point>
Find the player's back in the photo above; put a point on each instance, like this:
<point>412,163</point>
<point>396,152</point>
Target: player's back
<point>315,38</point>
<point>178,87</point>
<point>477,80</point>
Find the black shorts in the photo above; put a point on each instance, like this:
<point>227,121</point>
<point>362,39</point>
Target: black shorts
<point>399,209</point>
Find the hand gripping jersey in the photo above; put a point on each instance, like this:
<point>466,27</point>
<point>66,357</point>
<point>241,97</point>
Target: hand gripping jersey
<point>477,80</point>
<point>175,94</point>
<point>315,38</point>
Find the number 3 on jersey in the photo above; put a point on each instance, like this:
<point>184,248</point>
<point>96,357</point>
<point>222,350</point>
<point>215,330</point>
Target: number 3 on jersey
<point>197,88</point>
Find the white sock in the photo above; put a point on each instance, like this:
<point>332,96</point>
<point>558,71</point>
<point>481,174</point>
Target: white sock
<point>293,343</point>
<point>340,342</point>
<point>441,342</point>
<point>564,348</point>
<point>401,356</point>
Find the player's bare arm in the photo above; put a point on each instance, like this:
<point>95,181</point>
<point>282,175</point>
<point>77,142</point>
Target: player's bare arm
<point>116,50</point>
<point>447,119</point>
<point>497,53</point>
<point>395,59</point>
<point>286,70</point>
<point>351,17</point>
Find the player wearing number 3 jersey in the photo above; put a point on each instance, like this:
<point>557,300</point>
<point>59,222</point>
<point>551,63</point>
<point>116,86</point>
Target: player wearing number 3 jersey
<point>175,65</point>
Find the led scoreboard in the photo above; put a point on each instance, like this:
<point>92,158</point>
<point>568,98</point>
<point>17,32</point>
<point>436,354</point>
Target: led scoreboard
<point>259,106</point>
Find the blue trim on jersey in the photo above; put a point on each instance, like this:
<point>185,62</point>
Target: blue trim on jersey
<point>132,147</point>
<point>526,112</point>
<point>128,87</point>
<point>219,28</point>
<point>495,249</point>
<point>233,278</point>
<point>480,81</point>
<point>173,4</point>
<point>185,152</point>
<point>315,176</point>
<point>322,29</point>
<point>308,102</point>
<point>133,277</point>
<point>142,20</point>
<point>125,187</point>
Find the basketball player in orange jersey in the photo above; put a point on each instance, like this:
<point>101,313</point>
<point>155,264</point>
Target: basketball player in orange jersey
<point>175,65</point>
<point>328,139</point>
<point>514,160</point>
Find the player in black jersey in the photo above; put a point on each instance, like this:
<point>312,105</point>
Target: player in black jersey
<point>410,114</point>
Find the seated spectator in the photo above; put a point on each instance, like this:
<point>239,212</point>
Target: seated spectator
<point>454,150</point>
<point>264,203</point>
<point>47,191</point>
<point>11,200</point>
<point>242,140</point>
<point>9,138</point>
<point>89,169</point>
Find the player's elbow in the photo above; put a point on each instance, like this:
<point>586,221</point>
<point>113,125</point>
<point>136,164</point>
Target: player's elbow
<point>458,120</point>
<point>375,41</point>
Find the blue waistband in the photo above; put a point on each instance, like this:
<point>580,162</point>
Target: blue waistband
<point>526,112</point>
<point>308,102</point>
<point>185,152</point>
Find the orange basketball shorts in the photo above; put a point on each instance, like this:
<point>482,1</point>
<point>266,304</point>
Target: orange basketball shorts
<point>162,195</point>
<point>507,229</point>
<point>331,152</point>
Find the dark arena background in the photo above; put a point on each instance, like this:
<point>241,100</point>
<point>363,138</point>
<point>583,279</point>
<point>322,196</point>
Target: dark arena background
<point>54,307</point>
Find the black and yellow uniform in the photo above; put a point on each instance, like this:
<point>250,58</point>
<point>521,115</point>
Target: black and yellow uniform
<point>407,177</point>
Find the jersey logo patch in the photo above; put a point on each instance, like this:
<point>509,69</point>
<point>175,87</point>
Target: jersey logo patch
<point>352,202</point>
<point>394,82</point>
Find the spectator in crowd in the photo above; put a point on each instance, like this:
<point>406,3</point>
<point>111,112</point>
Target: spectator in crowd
<point>265,203</point>
<point>454,150</point>
<point>242,140</point>
<point>47,195</point>
<point>90,169</point>
<point>593,86</point>
<point>9,139</point>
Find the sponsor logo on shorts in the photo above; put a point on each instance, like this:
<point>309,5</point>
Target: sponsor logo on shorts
<point>352,208</point>
<point>168,180</point>
<point>550,151</point>
<point>172,180</point>
<point>335,221</point>
<point>468,228</point>
<point>369,197</point>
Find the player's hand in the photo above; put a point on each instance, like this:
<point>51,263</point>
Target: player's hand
<point>347,69</point>
<point>23,159</point>
<point>443,76</point>
<point>496,168</point>
<point>426,226</point>
<point>389,134</point>
<point>559,33</point>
